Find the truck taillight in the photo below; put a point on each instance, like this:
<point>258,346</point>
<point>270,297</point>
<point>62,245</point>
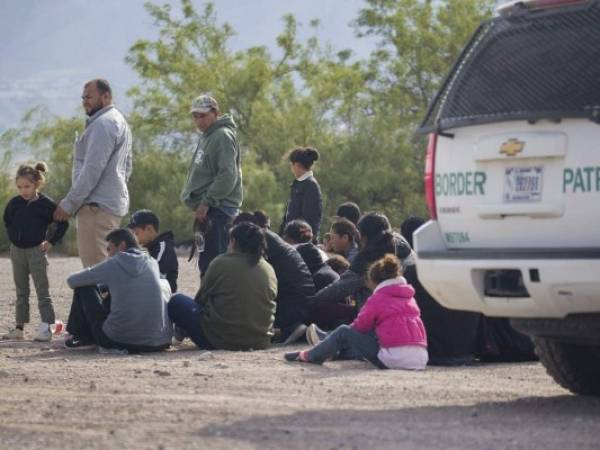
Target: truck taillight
<point>430,176</point>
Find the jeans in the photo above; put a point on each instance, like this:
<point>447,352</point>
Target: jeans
<point>348,342</point>
<point>216,239</point>
<point>186,313</point>
<point>87,315</point>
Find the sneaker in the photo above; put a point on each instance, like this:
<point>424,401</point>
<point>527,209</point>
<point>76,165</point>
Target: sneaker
<point>15,334</point>
<point>296,334</point>
<point>314,334</point>
<point>179,334</point>
<point>43,334</point>
<point>75,342</point>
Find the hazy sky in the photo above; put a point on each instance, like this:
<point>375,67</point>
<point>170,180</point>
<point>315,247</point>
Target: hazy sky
<point>49,48</point>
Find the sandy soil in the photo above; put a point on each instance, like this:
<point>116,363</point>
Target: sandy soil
<point>184,398</point>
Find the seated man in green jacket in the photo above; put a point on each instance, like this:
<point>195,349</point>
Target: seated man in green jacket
<point>235,307</point>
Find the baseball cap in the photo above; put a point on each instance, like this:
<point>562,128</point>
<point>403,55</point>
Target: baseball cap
<point>143,217</point>
<point>203,104</point>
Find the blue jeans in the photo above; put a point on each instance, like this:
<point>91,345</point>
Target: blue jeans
<point>216,239</point>
<point>186,313</point>
<point>349,344</point>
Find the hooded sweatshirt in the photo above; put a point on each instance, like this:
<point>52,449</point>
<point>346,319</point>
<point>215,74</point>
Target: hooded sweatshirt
<point>138,310</point>
<point>215,175</point>
<point>162,249</point>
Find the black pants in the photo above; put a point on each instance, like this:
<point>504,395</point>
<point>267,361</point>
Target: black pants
<point>88,313</point>
<point>216,238</point>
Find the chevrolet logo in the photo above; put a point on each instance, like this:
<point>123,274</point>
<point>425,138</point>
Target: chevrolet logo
<point>512,147</point>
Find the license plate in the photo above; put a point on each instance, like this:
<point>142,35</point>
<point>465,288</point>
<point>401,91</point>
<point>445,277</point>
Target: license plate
<point>523,184</point>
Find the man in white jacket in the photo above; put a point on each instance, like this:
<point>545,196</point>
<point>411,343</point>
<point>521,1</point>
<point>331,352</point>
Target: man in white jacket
<point>102,164</point>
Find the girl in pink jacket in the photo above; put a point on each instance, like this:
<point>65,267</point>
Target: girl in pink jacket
<point>388,331</point>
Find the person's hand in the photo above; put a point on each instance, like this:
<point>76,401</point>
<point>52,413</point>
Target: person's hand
<point>60,215</point>
<point>45,246</point>
<point>201,212</point>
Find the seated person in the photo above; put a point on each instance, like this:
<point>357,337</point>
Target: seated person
<point>235,306</point>
<point>325,315</point>
<point>350,211</point>
<point>137,319</point>
<point>323,275</point>
<point>298,232</point>
<point>145,225</point>
<point>294,284</point>
<point>343,238</point>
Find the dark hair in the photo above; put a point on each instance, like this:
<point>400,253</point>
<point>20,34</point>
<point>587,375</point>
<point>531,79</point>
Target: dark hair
<point>338,263</point>
<point>249,239</point>
<point>350,211</point>
<point>101,84</point>
<point>35,173</point>
<point>122,235</point>
<point>245,217</point>
<point>409,226</point>
<point>385,268</point>
<point>261,218</point>
<point>298,231</point>
<point>305,156</point>
<point>374,225</point>
<point>376,228</point>
<point>343,227</point>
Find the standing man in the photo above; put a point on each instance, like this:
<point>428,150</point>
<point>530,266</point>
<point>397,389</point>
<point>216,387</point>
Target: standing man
<point>102,164</point>
<point>213,189</point>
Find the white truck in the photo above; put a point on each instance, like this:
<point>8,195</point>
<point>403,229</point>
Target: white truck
<point>512,182</point>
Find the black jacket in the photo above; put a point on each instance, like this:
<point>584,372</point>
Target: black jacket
<point>294,281</point>
<point>27,222</point>
<point>162,249</point>
<point>323,275</point>
<point>305,203</point>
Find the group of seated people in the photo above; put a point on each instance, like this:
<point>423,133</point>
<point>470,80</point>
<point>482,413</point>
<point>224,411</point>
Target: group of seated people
<point>269,289</point>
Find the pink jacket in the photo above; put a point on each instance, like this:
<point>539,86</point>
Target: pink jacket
<point>395,315</point>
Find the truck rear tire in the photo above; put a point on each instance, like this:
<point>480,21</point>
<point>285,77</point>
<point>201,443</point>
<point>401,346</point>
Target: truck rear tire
<point>575,367</point>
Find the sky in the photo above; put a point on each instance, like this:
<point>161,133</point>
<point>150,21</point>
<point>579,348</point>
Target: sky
<point>49,48</point>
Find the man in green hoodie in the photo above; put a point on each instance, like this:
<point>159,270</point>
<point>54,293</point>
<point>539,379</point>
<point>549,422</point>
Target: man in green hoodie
<point>213,189</point>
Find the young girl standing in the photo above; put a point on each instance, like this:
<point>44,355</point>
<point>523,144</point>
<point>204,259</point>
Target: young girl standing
<point>27,218</point>
<point>305,198</point>
<point>388,331</point>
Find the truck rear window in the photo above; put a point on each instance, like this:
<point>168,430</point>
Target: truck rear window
<point>543,64</point>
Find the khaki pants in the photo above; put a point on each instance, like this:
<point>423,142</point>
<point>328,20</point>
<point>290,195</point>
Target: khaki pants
<point>31,261</point>
<point>93,225</point>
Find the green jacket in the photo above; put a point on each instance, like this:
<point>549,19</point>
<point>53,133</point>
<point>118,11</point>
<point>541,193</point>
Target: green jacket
<point>215,174</point>
<point>239,303</point>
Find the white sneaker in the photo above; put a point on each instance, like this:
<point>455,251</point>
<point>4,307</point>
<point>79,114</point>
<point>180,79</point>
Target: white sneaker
<point>15,334</point>
<point>43,334</point>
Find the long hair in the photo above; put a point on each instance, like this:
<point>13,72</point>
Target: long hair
<point>249,239</point>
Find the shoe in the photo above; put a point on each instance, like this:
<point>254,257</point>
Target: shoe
<point>292,356</point>
<point>43,334</point>
<point>296,334</point>
<point>15,334</point>
<point>179,334</point>
<point>75,342</point>
<point>314,334</point>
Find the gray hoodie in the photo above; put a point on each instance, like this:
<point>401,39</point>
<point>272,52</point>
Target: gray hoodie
<point>138,311</point>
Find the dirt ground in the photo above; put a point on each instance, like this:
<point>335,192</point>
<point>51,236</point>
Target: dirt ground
<point>55,398</point>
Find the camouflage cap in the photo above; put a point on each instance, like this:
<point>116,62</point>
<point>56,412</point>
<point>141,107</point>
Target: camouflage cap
<point>203,104</point>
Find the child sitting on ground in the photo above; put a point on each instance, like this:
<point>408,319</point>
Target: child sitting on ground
<point>388,331</point>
